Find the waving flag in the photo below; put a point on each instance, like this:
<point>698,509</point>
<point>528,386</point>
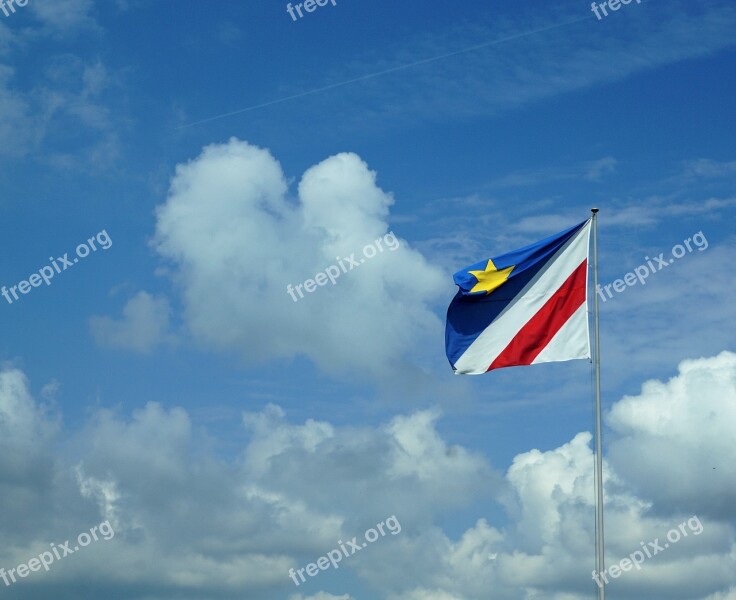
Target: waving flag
<point>524,307</point>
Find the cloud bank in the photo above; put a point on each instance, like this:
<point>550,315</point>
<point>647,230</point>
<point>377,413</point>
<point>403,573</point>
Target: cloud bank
<point>191,525</point>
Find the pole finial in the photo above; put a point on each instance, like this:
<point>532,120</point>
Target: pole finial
<point>594,210</point>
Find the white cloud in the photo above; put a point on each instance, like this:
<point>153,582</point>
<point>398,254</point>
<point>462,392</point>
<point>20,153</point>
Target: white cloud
<point>685,429</point>
<point>547,549</point>
<point>237,241</point>
<point>143,327</point>
<point>729,595</point>
<point>390,465</point>
<point>709,168</point>
<point>187,521</point>
<point>18,414</point>
<point>192,525</point>
<point>68,94</point>
<point>26,467</point>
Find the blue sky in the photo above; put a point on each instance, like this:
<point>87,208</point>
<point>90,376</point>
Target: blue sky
<point>228,151</point>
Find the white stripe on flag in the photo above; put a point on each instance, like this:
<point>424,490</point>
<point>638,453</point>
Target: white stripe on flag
<point>570,342</point>
<point>491,342</point>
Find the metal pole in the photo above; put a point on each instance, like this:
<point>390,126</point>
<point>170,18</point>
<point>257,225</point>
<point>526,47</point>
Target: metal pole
<point>600,563</point>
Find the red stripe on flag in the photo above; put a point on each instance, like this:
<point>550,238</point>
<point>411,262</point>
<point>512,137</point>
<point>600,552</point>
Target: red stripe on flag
<point>542,327</point>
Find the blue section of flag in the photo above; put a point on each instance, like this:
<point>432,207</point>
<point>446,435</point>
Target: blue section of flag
<point>521,259</point>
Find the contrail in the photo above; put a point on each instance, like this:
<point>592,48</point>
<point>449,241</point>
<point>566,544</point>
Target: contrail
<point>384,72</point>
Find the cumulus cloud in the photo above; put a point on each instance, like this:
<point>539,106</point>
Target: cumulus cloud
<point>144,325</point>
<point>666,423</point>
<point>190,525</point>
<point>388,467</point>
<point>729,595</point>
<point>236,240</point>
<point>25,468</point>
<point>546,549</point>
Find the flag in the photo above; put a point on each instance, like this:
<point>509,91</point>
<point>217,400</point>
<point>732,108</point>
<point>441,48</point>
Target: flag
<point>524,307</point>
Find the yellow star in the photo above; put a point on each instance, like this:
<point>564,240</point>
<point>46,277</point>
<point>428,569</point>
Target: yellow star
<point>490,278</point>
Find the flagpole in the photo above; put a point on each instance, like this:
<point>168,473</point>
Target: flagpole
<point>600,563</point>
